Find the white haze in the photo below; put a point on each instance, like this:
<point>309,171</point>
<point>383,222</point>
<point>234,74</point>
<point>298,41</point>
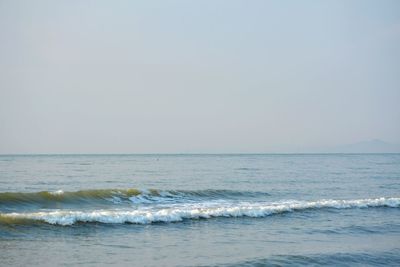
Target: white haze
<point>197,76</point>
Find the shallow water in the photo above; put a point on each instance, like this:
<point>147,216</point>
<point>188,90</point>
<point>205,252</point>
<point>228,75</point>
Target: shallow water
<point>200,210</point>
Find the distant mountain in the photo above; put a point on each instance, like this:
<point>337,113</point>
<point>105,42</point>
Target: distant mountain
<point>372,146</point>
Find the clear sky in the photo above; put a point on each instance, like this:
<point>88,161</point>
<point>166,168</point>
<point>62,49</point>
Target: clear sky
<point>197,76</point>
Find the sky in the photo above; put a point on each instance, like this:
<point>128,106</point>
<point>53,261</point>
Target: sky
<point>211,76</point>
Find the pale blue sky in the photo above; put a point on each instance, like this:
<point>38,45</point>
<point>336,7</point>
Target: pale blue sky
<point>197,76</point>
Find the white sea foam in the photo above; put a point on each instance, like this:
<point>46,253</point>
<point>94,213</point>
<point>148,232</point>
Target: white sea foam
<point>179,212</point>
<point>56,193</point>
<point>146,197</point>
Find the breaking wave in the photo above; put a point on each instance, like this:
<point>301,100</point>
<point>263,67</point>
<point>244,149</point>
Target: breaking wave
<point>186,211</point>
<point>116,196</point>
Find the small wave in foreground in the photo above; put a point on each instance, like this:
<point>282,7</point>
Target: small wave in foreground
<point>179,212</point>
<point>385,258</point>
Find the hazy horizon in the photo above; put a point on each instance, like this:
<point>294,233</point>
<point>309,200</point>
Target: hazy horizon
<point>94,77</point>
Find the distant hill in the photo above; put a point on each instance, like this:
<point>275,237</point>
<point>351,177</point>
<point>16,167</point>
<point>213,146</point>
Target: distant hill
<point>372,146</point>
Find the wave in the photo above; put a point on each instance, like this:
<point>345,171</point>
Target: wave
<point>176,212</point>
<point>116,196</point>
<point>379,258</point>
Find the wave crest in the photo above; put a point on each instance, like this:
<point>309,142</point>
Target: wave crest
<point>116,196</point>
<point>176,213</point>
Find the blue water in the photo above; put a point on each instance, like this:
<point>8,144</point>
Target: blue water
<point>200,210</point>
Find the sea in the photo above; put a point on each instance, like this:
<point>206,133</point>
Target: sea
<point>200,210</point>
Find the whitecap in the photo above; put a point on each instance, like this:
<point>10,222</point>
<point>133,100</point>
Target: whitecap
<point>179,212</point>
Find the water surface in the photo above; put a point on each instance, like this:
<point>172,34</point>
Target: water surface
<point>200,210</point>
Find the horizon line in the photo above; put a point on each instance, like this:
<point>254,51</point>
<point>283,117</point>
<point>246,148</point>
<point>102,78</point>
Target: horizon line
<point>194,153</point>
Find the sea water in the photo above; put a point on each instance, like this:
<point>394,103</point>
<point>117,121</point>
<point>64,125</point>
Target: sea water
<point>200,210</point>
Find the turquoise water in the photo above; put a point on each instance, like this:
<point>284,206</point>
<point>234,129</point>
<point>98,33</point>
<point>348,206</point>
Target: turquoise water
<point>200,210</point>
